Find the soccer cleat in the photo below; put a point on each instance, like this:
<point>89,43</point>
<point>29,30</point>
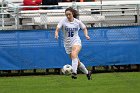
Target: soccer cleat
<point>74,76</point>
<point>89,75</point>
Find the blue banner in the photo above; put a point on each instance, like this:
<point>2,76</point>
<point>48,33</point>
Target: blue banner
<point>38,49</point>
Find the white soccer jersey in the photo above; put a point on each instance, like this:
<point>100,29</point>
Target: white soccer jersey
<point>70,30</point>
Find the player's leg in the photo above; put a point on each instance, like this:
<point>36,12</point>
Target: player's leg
<point>89,75</point>
<point>74,57</point>
<point>84,70</point>
<point>82,67</point>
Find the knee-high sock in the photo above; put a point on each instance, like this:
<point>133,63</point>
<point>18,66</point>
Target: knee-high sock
<point>83,68</point>
<point>75,65</point>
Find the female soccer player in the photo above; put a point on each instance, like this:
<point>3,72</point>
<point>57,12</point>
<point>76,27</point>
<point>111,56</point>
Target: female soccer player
<point>72,41</point>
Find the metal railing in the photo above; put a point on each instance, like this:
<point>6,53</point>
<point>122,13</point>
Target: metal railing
<point>14,17</point>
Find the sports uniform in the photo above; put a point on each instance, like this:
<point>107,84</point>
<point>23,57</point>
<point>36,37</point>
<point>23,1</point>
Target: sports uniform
<point>70,26</point>
<point>70,30</point>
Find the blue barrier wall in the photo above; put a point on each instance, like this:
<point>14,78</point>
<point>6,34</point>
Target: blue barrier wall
<point>35,49</point>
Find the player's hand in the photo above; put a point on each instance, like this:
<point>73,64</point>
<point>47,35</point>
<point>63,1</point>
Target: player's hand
<point>56,36</point>
<point>87,37</point>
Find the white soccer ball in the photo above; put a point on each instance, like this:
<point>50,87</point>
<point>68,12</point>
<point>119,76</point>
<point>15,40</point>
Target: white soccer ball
<point>67,69</point>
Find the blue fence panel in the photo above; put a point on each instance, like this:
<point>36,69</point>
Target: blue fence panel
<point>30,50</point>
<point>34,49</point>
<point>112,46</point>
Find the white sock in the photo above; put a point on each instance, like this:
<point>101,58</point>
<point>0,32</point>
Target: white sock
<point>83,68</point>
<point>75,65</point>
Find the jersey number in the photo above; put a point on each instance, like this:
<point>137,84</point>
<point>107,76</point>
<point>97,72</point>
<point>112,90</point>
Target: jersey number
<point>70,33</point>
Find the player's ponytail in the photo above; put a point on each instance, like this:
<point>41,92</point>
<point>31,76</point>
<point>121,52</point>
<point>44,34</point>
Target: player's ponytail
<point>74,12</point>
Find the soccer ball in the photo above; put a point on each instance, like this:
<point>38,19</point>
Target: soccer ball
<point>67,69</point>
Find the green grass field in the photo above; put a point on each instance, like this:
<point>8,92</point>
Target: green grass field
<point>120,82</point>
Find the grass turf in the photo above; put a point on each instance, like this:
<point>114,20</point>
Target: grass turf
<point>128,82</point>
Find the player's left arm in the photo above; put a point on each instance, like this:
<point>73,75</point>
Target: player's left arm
<point>86,33</point>
<point>84,28</point>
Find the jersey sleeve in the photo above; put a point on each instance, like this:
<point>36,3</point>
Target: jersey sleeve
<point>82,25</point>
<point>60,24</point>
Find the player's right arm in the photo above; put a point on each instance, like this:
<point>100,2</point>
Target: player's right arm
<point>59,26</point>
<point>56,33</point>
